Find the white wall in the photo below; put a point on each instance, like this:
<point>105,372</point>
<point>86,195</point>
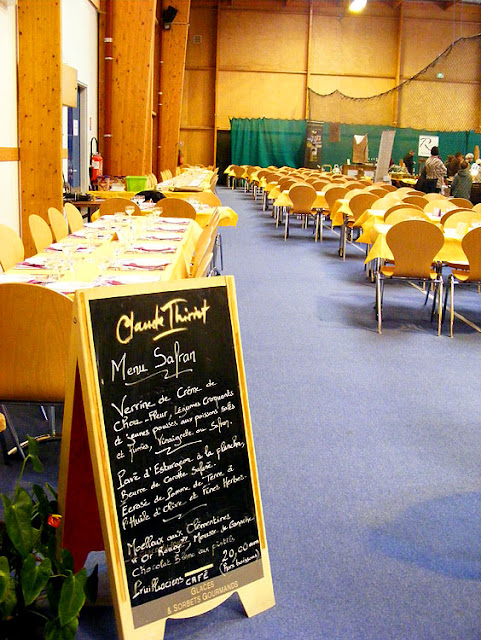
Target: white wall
<point>9,211</point>
<point>80,50</point>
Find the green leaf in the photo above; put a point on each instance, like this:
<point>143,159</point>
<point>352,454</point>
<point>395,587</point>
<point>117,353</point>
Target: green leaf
<point>4,578</point>
<point>92,585</point>
<point>33,454</point>
<point>72,596</point>
<point>43,504</point>
<point>52,490</point>
<point>66,561</point>
<point>34,578</point>
<point>8,605</point>
<point>18,520</point>
<point>54,630</point>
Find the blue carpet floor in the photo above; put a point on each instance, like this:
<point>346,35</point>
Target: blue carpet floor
<point>367,447</point>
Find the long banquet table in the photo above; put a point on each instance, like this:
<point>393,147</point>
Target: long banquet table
<point>113,250</point>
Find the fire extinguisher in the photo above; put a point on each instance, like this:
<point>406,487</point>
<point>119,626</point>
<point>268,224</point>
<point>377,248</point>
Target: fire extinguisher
<point>180,158</point>
<point>96,163</point>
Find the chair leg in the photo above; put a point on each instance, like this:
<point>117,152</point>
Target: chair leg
<point>451,323</point>
<point>440,306</point>
<point>378,302</point>
<point>12,430</point>
<point>286,227</point>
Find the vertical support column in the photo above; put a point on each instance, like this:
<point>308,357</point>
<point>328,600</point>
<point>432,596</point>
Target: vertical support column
<point>216,81</point>
<point>127,31</point>
<point>173,53</point>
<point>396,106</point>
<point>308,64</point>
<point>39,110</point>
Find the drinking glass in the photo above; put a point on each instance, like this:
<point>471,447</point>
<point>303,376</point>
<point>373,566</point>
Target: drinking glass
<point>130,210</point>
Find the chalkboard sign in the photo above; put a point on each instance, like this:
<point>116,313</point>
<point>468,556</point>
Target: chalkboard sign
<point>174,459</point>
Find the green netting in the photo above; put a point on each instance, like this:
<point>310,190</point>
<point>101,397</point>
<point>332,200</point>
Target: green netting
<point>425,101</point>
<point>265,141</point>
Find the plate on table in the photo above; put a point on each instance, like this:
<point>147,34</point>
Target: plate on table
<point>69,286</point>
<point>17,277</point>
<point>150,263</point>
<point>127,278</point>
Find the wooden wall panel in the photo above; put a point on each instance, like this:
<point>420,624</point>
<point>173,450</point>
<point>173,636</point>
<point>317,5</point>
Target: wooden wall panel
<point>259,95</point>
<point>263,41</point>
<point>362,45</point>
<point>131,116</point>
<point>198,99</point>
<point>202,23</point>
<point>173,53</point>
<point>39,110</point>
<point>197,146</point>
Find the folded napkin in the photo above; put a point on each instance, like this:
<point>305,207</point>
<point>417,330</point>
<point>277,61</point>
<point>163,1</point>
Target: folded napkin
<point>81,234</point>
<point>142,264</point>
<point>81,248</point>
<point>161,236</point>
<point>152,247</point>
<point>126,278</point>
<point>69,286</point>
<point>21,277</point>
<point>31,263</point>
<point>178,222</point>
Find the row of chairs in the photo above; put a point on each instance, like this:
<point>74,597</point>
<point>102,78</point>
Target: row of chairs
<point>413,239</point>
<point>11,245</point>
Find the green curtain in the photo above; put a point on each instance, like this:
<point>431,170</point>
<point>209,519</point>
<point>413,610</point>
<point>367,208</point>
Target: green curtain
<point>264,141</point>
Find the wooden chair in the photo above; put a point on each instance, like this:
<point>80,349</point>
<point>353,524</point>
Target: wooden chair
<point>462,275</point>
<point>462,202</point>
<point>58,224</point>
<point>35,326</point>
<point>404,205</point>
<point>434,196</point>
<point>477,207</point>
<point>358,204</point>
<point>11,248</point>
<point>117,205</point>
<point>177,208</point>
<point>443,204</point>
<point>417,200</point>
<point>468,217</point>
<point>237,176</point>
<point>74,217</point>
<point>205,245</point>
<point>414,245</point>
<point>40,231</point>
<point>205,197</point>
<point>302,196</point>
<point>203,268</point>
<point>405,213</point>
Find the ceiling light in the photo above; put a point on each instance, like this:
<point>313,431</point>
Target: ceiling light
<point>357,5</point>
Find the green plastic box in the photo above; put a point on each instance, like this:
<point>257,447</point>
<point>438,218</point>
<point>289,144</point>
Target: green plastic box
<point>137,183</point>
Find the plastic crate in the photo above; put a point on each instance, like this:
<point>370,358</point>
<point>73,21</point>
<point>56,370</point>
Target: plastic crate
<point>137,183</point>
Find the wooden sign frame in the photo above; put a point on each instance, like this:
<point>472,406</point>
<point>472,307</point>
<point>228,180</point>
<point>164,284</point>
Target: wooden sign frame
<point>86,466</point>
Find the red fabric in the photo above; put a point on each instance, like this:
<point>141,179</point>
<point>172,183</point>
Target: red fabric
<point>82,531</point>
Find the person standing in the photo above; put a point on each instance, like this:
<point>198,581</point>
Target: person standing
<point>409,161</point>
<point>435,172</point>
<point>454,164</point>
<point>462,181</point>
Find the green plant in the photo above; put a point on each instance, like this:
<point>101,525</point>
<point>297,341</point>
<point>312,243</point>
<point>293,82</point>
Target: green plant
<point>36,576</point>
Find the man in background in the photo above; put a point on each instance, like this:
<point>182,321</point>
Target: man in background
<point>409,161</point>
